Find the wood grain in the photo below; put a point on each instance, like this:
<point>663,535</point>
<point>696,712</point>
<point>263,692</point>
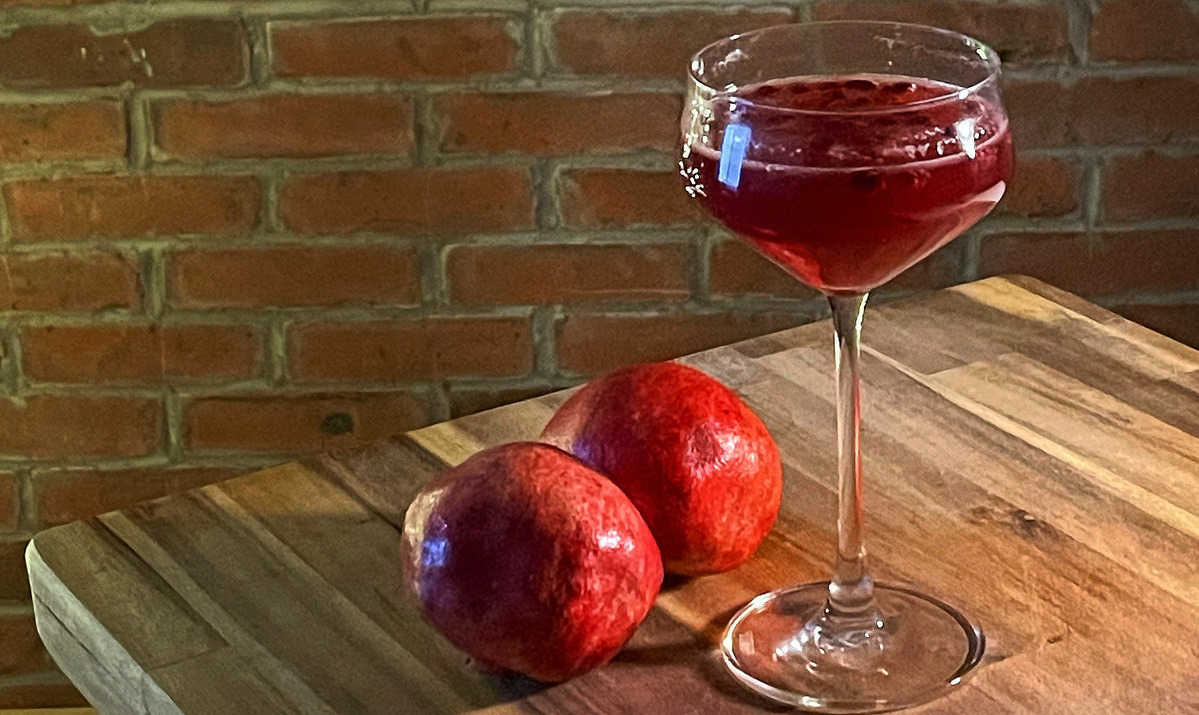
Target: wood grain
<point>1030,457</point>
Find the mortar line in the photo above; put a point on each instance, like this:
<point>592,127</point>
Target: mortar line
<point>246,460</point>
<point>27,511</point>
<point>641,159</point>
<point>33,678</point>
<point>631,6</point>
<point>172,424</point>
<point>545,354</point>
<point>425,131</point>
<point>367,315</point>
<point>190,390</point>
<point>531,380</point>
<point>8,537</point>
<point>1091,191</point>
<point>145,390</point>
<point>270,223</point>
<point>239,316</point>
<point>261,53</point>
<point>5,224</point>
<point>335,86</point>
<point>561,235</point>
<point>16,608</point>
<point>1175,223</point>
<point>275,353</point>
<point>1078,28</point>
<point>516,83</point>
<point>14,364</point>
<point>538,42</point>
<point>547,209</point>
<point>438,400</point>
<point>158,462</point>
<point>1078,225</point>
<point>204,459</point>
<point>153,283</point>
<point>730,305</point>
<point>128,17</point>
<point>140,133</point>
<point>433,280</point>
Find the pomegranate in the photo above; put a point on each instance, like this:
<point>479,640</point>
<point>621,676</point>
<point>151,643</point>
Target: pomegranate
<point>696,461</point>
<point>530,561</point>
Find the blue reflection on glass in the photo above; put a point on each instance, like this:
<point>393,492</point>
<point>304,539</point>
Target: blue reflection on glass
<point>732,154</point>
<point>433,551</point>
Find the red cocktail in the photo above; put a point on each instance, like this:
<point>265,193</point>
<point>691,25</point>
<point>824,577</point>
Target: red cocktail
<point>846,152</point>
<point>849,207</point>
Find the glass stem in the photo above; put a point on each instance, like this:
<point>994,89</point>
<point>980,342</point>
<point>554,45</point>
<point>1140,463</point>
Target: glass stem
<point>851,590</point>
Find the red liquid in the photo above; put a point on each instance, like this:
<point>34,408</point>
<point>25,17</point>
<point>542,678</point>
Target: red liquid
<point>847,201</point>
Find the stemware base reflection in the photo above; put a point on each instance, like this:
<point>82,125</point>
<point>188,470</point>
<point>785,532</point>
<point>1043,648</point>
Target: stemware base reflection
<point>909,651</point>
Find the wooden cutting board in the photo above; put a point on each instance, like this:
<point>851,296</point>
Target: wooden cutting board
<point>1030,458</point>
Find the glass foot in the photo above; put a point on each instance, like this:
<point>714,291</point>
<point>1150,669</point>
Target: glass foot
<point>911,649</point>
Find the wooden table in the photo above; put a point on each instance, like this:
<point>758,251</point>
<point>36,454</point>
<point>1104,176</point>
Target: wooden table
<point>1030,457</point>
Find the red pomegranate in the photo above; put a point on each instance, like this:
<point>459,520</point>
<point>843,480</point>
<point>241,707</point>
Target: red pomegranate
<point>695,460</point>
<point>529,560</point>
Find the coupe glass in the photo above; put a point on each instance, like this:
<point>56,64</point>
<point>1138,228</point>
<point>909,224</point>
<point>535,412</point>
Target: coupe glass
<point>846,152</point>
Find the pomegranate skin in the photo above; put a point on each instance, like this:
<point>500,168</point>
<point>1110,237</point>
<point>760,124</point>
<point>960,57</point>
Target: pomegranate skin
<point>530,561</point>
<point>696,461</point>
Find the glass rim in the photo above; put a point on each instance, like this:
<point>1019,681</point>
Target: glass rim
<point>985,52</point>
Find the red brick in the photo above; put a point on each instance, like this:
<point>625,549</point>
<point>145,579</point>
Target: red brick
<point>299,423</point>
<point>737,269</point>
<point>175,53</point>
<point>427,48</point>
<point>647,44</point>
<point>1151,185</point>
<point>1180,322</point>
<point>1104,111</point>
<point>1115,262</point>
<point>410,201</point>
<point>1041,187</point>
<point>58,282</point>
<point>285,126</point>
<point>138,354</point>
<point>294,276</point>
<point>544,274</point>
<point>48,132</point>
<point>8,501</point>
<point>554,123</point>
<point>14,581</point>
<point>466,400</point>
<point>1145,30</point>
<point>81,207</point>
<point>590,343</point>
<point>593,198</point>
<point>69,495</point>
<point>429,349</point>
<point>53,691</point>
<point>23,651</point>
<point>1020,33</point>
<point>52,426</point>
<point>1036,111</point>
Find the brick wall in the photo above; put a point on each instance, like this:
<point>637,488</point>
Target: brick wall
<point>237,231</point>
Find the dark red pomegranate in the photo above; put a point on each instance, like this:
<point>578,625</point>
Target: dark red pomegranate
<point>529,560</point>
<point>695,460</point>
